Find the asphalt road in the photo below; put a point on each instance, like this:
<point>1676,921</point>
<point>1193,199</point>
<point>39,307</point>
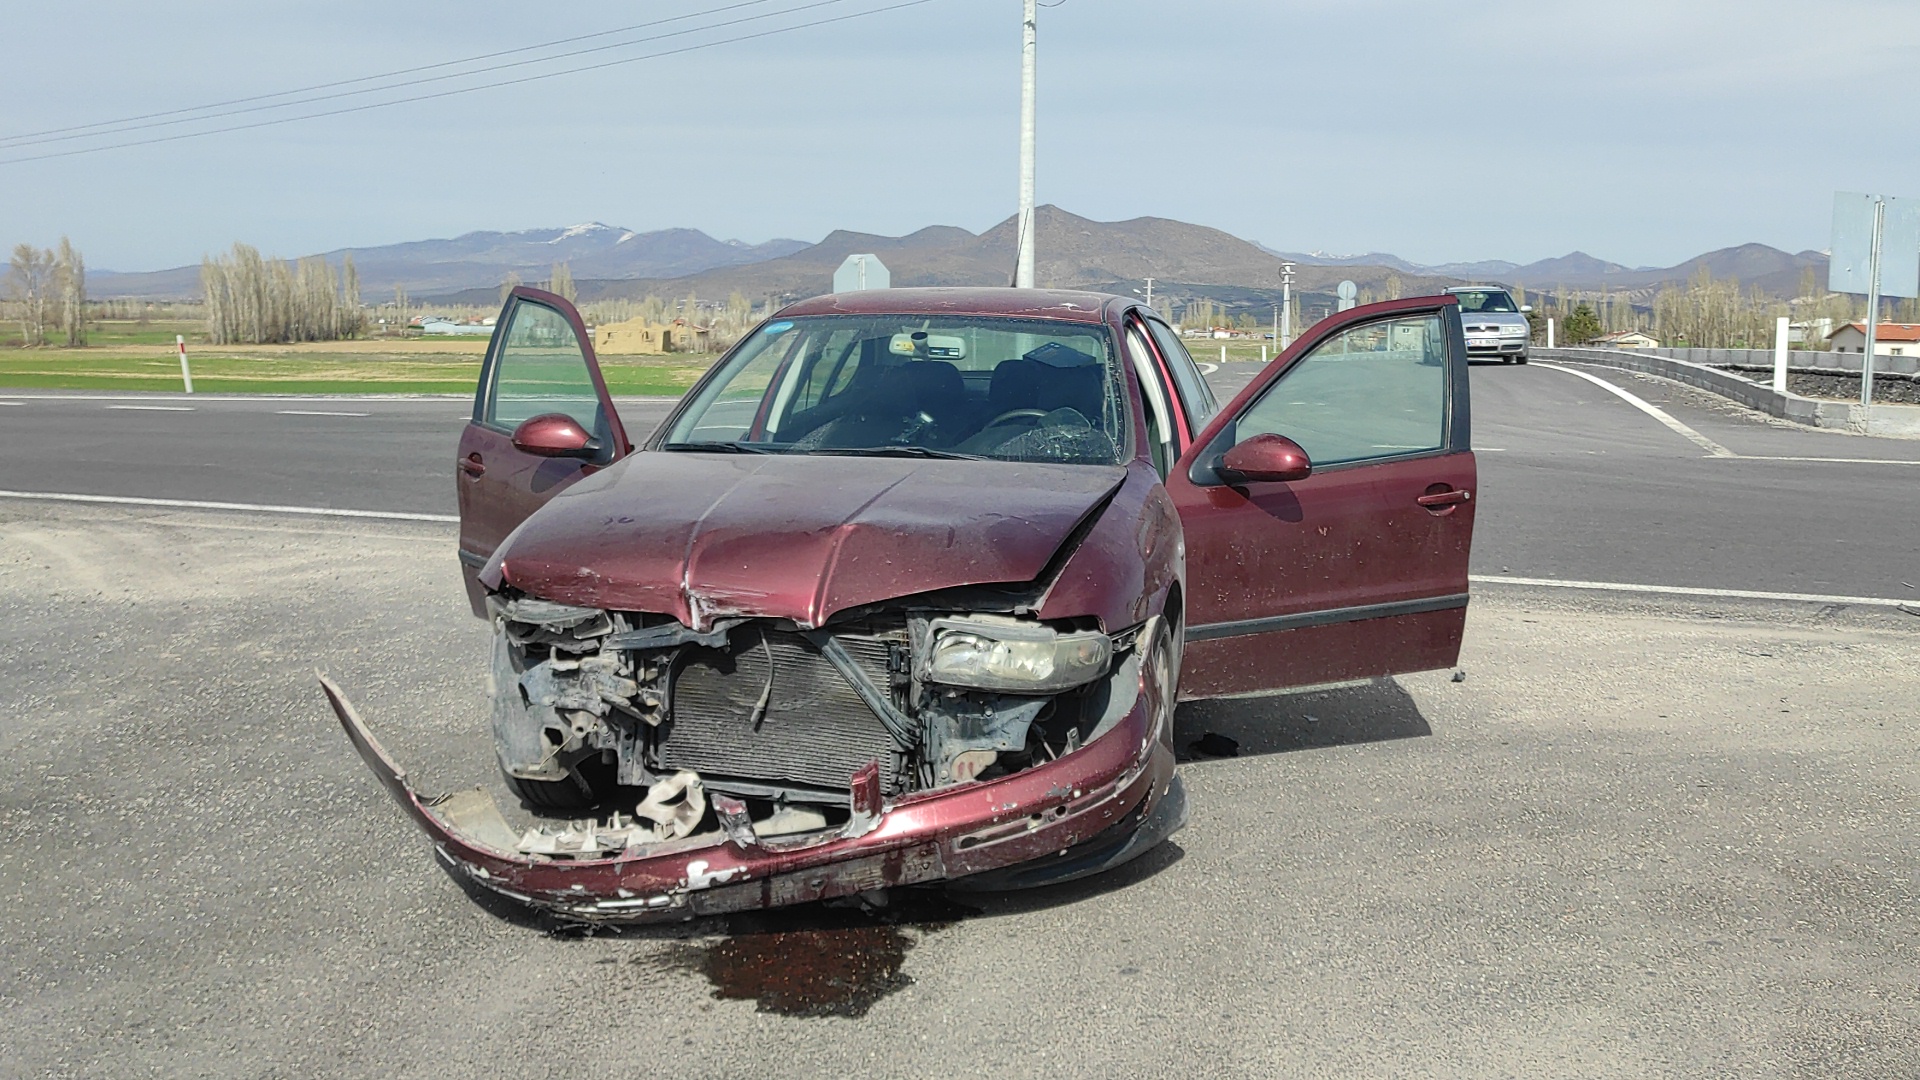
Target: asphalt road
<point>1576,483</point>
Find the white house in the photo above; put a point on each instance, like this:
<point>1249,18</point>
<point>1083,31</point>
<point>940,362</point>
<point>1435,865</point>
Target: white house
<point>1889,339</point>
<point>1628,339</point>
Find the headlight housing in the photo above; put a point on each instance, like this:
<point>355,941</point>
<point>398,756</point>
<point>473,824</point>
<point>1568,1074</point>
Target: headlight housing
<point>1011,656</point>
<point>1514,331</point>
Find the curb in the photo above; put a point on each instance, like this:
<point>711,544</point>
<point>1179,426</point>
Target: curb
<point>1886,421</point>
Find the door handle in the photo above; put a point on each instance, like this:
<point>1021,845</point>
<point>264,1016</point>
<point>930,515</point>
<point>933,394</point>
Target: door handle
<point>472,465</point>
<point>1449,497</point>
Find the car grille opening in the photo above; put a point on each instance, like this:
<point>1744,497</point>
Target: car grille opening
<point>815,732</point>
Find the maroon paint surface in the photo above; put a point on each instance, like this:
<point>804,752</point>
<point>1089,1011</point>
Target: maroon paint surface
<point>946,833</point>
<point>1347,536</point>
<point>800,537</point>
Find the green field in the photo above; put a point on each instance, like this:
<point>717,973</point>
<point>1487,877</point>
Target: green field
<point>356,367</point>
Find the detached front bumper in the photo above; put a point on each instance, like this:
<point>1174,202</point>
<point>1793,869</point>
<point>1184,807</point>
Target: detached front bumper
<point>1089,810</point>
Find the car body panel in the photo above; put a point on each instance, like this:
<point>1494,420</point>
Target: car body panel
<point>498,485</point>
<point>704,535</point>
<point>1117,780</point>
<point>1342,575</point>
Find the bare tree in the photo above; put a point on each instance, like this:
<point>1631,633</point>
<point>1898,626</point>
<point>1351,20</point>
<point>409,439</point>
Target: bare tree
<point>70,274</point>
<point>561,284</point>
<point>30,283</point>
<point>250,299</point>
<point>508,284</point>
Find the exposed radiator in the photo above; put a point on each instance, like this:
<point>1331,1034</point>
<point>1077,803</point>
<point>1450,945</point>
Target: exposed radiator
<point>816,730</point>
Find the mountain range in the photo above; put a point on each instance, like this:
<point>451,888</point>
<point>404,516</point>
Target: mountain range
<point>1186,261</point>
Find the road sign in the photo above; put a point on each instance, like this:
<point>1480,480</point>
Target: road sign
<point>1853,226</point>
<point>1876,250</point>
<point>1347,292</point>
<point>861,272</point>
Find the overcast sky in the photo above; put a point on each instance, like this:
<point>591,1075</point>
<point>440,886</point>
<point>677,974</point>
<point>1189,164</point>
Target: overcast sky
<point>1642,131</point>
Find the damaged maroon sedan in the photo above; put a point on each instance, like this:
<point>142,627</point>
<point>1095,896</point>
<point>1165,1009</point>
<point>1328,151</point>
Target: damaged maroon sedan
<point>907,586</point>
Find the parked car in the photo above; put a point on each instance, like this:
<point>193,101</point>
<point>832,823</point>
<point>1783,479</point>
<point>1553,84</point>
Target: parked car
<point>907,586</point>
<point>1494,325</point>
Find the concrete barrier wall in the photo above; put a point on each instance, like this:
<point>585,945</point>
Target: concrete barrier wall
<point>1799,358</point>
<point>1892,420</point>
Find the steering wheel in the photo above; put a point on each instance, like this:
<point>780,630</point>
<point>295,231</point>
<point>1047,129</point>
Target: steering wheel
<point>1015,414</point>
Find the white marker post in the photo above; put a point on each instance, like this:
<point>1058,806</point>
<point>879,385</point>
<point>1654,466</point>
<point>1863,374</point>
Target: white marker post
<point>186,376</point>
<point>1780,355</point>
<point>1549,333</point>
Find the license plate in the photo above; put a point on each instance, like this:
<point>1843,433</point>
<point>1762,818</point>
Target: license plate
<point>1483,342</point>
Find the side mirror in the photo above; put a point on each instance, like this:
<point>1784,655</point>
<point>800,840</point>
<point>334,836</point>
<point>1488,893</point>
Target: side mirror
<point>1264,458</point>
<point>1525,308</point>
<point>554,435</point>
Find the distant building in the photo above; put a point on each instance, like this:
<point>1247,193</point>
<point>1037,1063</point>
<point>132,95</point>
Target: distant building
<point>1889,339</point>
<point>434,324</point>
<point>1628,339</point>
<point>638,337</point>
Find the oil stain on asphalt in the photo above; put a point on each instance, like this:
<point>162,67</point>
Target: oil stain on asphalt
<point>820,961</point>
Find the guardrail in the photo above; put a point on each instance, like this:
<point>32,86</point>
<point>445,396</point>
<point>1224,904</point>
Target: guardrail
<point>1900,421</point>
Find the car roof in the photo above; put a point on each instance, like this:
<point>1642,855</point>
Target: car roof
<point>1478,288</point>
<point>1071,305</point>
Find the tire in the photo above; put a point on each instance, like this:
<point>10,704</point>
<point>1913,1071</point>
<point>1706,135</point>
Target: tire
<point>1521,359</point>
<point>1165,651</point>
<point>592,782</point>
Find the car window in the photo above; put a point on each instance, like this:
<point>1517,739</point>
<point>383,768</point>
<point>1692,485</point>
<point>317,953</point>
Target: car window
<point>1475,301</point>
<point>541,368</point>
<point>1371,391</point>
<point>969,385</point>
<point>1194,392</point>
<point>1159,424</point>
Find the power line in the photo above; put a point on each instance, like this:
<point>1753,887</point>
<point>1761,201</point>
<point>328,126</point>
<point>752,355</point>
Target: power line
<point>466,89</point>
<point>17,142</point>
<point>385,75</point>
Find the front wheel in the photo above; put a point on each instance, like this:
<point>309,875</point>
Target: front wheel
<point>1161,676</point>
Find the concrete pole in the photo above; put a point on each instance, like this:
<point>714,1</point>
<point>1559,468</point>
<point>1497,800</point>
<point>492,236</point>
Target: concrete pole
<point>1023,268</point>
<point>1873,302</point>
<point>1780,354</point>
<point>1549,332</point>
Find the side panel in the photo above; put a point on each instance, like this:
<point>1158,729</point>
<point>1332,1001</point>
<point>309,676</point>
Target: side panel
<point>1338,576</point>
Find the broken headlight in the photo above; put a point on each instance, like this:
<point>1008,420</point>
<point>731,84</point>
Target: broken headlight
<point>1012,656</point>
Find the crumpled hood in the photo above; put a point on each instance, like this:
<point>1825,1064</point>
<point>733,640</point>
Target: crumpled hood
<point>702,536</point>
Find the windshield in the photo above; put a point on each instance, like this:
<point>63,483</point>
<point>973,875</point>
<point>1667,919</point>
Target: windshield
<point>1481,300</point>
<point>940,386</point>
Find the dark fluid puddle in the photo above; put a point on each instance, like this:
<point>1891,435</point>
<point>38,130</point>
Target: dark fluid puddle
<point>817,961</point>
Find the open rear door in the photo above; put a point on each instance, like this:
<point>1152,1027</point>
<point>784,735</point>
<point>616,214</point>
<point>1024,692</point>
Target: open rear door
<point>540,364</point>
<point>1359,567</point>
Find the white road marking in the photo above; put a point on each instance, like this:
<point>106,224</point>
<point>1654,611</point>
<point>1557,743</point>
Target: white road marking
<point>154,408</point>
<point>1683,590</point>
<point>1832,460</point>
<point>315,412</point>
<point>1712,448</point>
<point>250,508</point>
<point>1208,369</point>
<point>12,403</point>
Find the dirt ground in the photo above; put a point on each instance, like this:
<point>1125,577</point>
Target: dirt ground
<point>1657,838</point>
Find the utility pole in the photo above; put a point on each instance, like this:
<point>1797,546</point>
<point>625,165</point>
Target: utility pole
<point>1023,267</point>
<point>1285,328</point>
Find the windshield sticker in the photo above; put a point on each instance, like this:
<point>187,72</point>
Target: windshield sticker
<point>778,328</point>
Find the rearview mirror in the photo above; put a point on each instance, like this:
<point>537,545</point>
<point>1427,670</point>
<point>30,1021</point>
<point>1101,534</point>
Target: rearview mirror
<point>554,435</point>
<point>1264,459</point>
<point>1525,308</point>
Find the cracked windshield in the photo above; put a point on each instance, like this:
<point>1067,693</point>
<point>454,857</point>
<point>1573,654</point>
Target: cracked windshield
<point>1008,389</point>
